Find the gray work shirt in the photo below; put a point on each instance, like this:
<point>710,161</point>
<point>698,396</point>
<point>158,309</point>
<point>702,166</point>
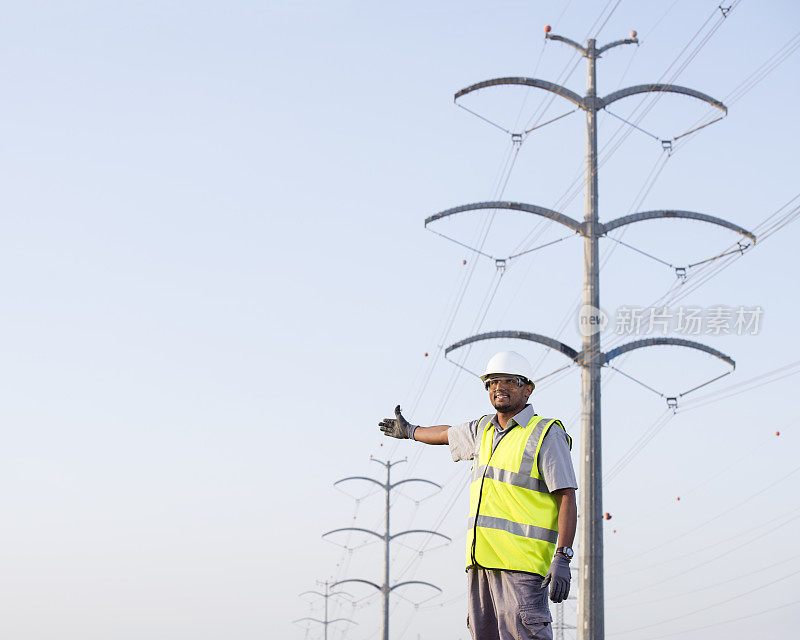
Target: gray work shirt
<point>555,462</point>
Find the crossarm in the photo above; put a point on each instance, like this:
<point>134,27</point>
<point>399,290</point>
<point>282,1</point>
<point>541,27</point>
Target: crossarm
<point>407,582</point>
<point>380,484</point>
<point>438,486</point>
<point>678,342</point>
<point>669,88</point>
<point>307,618</point>
<point>520,335</point>
<point>616,43</point>
<point>571,43</point>
<point>326,622</point>
<point>555,216</point>
<point>377,535</point>
<point>371,584</point>
<point>528,82</point>
<point>433,533</point>
<point>669,213</point>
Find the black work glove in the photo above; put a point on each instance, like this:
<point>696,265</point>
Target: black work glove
<point>558,577</point>
<point>397,427</point>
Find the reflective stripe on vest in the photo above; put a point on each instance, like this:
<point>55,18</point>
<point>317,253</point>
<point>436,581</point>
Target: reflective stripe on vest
<point>513,521</point>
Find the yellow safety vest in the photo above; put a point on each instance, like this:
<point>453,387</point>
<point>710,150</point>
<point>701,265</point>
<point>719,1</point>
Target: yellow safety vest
<point>513,521</point>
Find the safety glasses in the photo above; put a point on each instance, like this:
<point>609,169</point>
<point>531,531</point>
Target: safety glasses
<point>506,382</point>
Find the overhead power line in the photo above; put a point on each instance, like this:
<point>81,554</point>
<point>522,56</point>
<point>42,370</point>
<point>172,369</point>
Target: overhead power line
<point>739,539</point>
<point>717,516</point>
<point>724,622</point>
<point>687,592</point>
<point>713,605</point>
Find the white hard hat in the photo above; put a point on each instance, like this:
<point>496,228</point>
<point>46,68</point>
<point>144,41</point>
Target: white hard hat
<point>508,363</point>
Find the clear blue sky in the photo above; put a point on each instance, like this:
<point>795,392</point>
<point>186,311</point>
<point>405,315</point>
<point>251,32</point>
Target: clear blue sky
<point>216,280</point>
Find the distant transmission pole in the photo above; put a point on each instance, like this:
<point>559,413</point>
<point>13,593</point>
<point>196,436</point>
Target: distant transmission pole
<point>325,620</point>
<point>386,588</point>
<point>559,626</point>
<point>590,358</point>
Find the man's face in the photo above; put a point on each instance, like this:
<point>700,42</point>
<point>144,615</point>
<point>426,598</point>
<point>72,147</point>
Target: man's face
<point>507,395</point>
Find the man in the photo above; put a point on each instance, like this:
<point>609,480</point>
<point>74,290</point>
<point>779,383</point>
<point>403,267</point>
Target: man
<point>522,504</point>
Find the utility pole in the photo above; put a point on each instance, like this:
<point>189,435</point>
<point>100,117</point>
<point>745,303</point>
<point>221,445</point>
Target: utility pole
<point>386,588</point>
<point>325,621</point>
<point>591,358</point>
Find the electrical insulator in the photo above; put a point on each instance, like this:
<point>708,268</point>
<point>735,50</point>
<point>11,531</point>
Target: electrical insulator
<point>777,433</point>
<point>633,33</point>
<point>463,262</point>
<point>547,29</point>
<point>426,354</point>
<point>608,516</point>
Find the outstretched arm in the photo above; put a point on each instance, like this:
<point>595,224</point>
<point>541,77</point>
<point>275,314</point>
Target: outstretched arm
<point>399,427</point>
<point>432,435</point>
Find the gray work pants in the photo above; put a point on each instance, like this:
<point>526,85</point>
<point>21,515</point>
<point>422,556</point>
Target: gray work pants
<point>507,605</point>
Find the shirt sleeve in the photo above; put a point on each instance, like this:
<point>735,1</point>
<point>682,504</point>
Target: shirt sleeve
<point>462,439</point>
<point>555,461</point>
